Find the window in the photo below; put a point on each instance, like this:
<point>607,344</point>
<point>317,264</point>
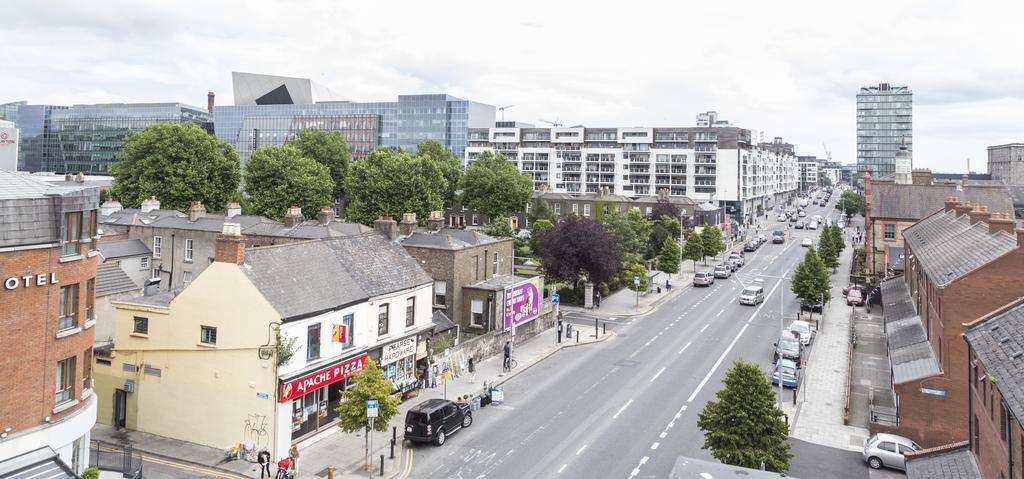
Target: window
<point>65,380</point>
<point>156,273</point>
<point>976,443</point>
<point>157,246</point>
<point>476,267</point>
<point>87,369</point>
<point>586,209</point>
<point>141,325</point>
<point>188,250</point>
<point>72,233</point>
<point>440,292</point>
<point>890,232</point>
<point>208,335</point>
<point>90,299</point>
<point>410,311</point>
<point>144,263</point>
<point>905,449</point>
<point>575,208</point>
<point>887,446</point>
<point>475,220</point>
<point>494,270</point>
<point>476,313</point>
<point>186,277</point>
<point>558,208</point>
<point>68,307</point>
<point>349,321</point>
<point>382,320</point>
<point>648,212</point>
<point>313,342</point>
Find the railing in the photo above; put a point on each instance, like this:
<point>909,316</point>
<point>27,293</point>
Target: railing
<point>107,456</point>
<point>849,368</point>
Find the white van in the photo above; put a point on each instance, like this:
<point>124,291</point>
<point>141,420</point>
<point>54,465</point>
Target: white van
<point>752,295</point>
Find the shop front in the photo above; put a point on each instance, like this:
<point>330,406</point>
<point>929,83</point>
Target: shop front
<point>398,362</point>
<point>311,398</point>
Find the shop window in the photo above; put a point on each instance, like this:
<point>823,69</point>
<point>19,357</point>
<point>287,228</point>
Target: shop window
<point>68,307</point>
<point>141,325</point>
<point>410,311</point>
<point>476,313</point>
<point>382,320</point>
<point>440,293</point>
<point>158,243</point>
<point>208,335</point>
<point>188,250</point>
<point>313,342</point>
<point>65,380</point>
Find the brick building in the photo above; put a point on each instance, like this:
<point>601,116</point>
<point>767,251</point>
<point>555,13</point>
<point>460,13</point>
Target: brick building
<point>47,312</point>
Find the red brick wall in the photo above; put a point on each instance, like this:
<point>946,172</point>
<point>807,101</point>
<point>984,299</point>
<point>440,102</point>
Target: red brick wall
<point>28,329</point>
<point>990,448</point>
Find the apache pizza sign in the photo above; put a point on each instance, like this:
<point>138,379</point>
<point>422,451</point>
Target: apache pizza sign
<point>296,388</point>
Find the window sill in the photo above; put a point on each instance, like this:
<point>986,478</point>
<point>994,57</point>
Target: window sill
<point>139,335</point>
<point>64,406</point>
<point>476,326</point>
<point>68,332</point>
<point>206,345</point>
<point>89,323</point>
<point>70,258</point>
<point>86,393</point>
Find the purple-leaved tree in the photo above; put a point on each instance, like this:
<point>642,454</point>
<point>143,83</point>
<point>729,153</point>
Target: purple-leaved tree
<point>579,247</point>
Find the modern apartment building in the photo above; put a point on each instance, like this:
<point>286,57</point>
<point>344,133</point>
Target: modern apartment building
<point>884,118</point>
<point>1006,163</point>
<point>808,168</point>
<point>713,163</point>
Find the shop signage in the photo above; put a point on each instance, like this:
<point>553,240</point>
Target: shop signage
<point>41,279</point>
<point>522,302</point>
<point>313,381</point>
<point>398,350</point>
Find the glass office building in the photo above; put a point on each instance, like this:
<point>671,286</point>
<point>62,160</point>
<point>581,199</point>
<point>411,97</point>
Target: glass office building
<point>884,118</point>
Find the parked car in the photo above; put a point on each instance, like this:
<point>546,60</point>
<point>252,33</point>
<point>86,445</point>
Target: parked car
<point>738,258</point>
<point>722,271</point>
<point>434,420</point>
<point>794,219</point>
<point>887,450</point>
<point>806,243</point>
<point>855,298</point>
<point>850,287</point>
<point>703,278</point>
<point>802,213</point>
<point>787,372</point>
<point>804,331</point>
<point>782,217</point>
<point>787,347</point>
<point>762,238</point>
<point>732,265</point>
<point>752,295</point>
<point>750,246</point>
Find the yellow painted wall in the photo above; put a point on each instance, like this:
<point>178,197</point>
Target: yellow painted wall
<point>204,394</point>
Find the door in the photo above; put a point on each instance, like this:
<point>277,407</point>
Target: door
<point>903,459</point>
<point>120,406</point>
<point>888,453</point>
<point>451,421</point>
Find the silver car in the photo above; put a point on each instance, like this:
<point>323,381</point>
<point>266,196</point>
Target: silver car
<point>887,450</point>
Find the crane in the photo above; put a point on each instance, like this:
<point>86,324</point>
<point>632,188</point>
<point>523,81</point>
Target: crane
<point>555,123</point>
<point>502,110</point>
<point>828,154</point>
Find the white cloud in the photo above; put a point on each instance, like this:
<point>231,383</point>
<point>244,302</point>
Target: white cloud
<point>791,69</point>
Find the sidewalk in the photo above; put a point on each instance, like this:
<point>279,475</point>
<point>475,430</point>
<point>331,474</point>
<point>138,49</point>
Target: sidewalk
<point>346,451</point>
<point>623,303</point>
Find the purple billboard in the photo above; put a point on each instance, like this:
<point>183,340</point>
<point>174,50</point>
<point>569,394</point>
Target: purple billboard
<point>522,302</point>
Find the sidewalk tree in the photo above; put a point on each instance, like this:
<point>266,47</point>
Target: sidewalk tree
<point>369,384</point>
<point>635,270</point>
<point>663,227</point>
<point>743,427</point>
<point>498,228</point>
<point>851,203</point>
<point>711,239</point>
<point>827,248</point>
<point>693,248</point>
<point>391,182</point>
<point>449,164</point>
<point>178,163</point>
<point>669,257</point>
<point>495,187</point>
<point>811,283</point>
<point>329,149</point>
<point>622,229</point>
<point>277,177</point>
<point>579,248</point>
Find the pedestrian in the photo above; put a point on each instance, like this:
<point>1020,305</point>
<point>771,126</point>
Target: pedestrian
<point>293,454</point>
<point>506,364</point>
<point>263,459</point>
<point>598,300</point>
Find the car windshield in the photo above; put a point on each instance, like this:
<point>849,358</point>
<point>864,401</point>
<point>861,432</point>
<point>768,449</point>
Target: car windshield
<point>800,328</point>
<point>419,418</point>
<point>720,268</point>
<point>778,233</point>
<point>788,343</point>
<point>749,291</point>
<point>855,293</point>
<point>787,370</point>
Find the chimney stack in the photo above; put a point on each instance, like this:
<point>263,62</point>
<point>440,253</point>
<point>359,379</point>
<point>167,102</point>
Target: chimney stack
<point>209,102</point>
<point>325,216</point>
<point>80,177</point>
<point>963,208</point>
<point>196,210</point>
<point>68,177</point>
<point>294,217</point>
<point>921,176</point>
<point>979,213</point>
<point>150,204</point>
<point>151,287</point>
<point>233,209</point>
<point>408,224</point>
<point>230,245</point>
<point>436,221</point>
<point>1001,222</point>
<point>386,226</point>
<point>110,207</point>
<point>951,203</point>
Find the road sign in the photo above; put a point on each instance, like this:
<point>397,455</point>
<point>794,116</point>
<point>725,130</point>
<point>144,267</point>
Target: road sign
<point>554,298</point>
<point>371,408</point>
<point>636,280</point>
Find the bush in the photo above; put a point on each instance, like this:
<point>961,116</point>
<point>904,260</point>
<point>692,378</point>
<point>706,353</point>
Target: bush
<point>91,473</point>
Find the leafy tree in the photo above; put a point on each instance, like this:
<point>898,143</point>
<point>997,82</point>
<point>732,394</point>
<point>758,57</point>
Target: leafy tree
<point>579,249</point>
<point>178,163</point>
<point>711,237</point>
<point>837,239</point>
<point>541,210</point>
<point>450,165</point>
<point>499,228</point>
<point>539,229</point>
<point>621,228</point>
<point>329,149</point>
<point>743,427</point>
<point>827,181</point>
<point>665,209</point>
<point>669,257</point>
<point>810,282</point>
<point>827,249</point>
<point>495,187</point>
<point>851,203</point>
<point>391,182</point>
<point>693,248</point>
<point>663,227</point>
<point>370,384</point>
<point>641,226</point>
<point>633,270</point>
<point>277,177</point>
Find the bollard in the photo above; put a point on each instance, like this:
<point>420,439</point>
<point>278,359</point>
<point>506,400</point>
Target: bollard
<point>604,327</point>
<point>577,336</point>
<point>595,328</point>
<point>786,416</point>
<point>330,472</point>
<point>393,441</point>
<point>394,430</point>
<point>382,464</point>
<point>794,396</point>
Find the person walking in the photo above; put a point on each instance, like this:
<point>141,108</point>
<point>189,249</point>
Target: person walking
<point>597,301</point>
<point>506,365</point>
<point>263,459</point>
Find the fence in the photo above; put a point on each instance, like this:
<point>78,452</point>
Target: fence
<point>849,367</point>
<point>107,456</point>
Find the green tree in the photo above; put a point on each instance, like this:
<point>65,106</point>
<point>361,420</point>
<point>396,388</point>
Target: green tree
<point>711,238</point>
<point>578,250</point>
<point>743,427</point>
<point>369,384</point>
<point>811,283</point>
<point>837,239</point>
<point>329,149</point>
<point>541,210</point>
<point>495,187</point>
<point>663,227</point>
<point>178,163</point>
<point>693,248</point>
<point>537,231</point>
<point>633,270</point>
<point>498,228</point>
<point>641,227</point>
<point>827,249</point>
<point>851,203</point>
<point>669,257</point>
<point>277,177</point>
<point>622,229</point>
<point>389,183</point>
<point>449,164</point>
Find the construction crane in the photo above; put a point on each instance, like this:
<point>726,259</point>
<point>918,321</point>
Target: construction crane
<point>555,123</point>
<point>828,154</point>
<point>502,110</point>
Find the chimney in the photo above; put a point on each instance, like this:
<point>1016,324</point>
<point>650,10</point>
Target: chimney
<point>110,207</point>
<point>921,176</point>
<point>436,221</point>
<point>951,203</point>
<point>979,213</point>
<point>80,177</point>
<point>963,208</point>
<point>150,204</point>
<point>151,287</point>
<point>1001,222</point>
<point>294,217</point>
<point>196,210</point>
<point>386,226</point>
<point>68,177</point>
<point>230,245</point>
<point>233,209</point>
<point>209,102</point>
<point>408,224</point>
<point>325,216</point>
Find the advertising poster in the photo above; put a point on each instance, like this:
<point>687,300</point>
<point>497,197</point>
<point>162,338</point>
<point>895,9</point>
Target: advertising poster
<point>522,302</point>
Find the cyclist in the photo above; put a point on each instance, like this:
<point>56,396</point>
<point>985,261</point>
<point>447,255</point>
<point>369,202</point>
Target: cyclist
<point>507,364</point>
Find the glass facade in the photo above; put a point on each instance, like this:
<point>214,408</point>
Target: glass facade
<point>884,117</point>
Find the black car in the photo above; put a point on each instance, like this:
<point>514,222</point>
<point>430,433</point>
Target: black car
<point>750,246</point>
<point>434,420</point>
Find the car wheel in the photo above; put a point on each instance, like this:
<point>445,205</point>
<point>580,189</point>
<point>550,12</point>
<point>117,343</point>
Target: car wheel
<point>874,462</point>
<point>439,438</point>
<point>467,420</point>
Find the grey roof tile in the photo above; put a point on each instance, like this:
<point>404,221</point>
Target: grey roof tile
<point>449,239</point>
<point>123,248</point>
<point>890,200</point>
<point>22,186</point>
<point>896,302</point>
<point>910,354</point>
<point>110,279</point>
<point>958,463</point>
<point>949,247</point>
<point>997,341</point>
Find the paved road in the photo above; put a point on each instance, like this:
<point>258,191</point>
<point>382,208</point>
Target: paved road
<point>626,408</point>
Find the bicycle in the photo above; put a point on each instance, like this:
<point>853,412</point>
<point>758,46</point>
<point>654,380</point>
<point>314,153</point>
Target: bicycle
<point>510,364</point>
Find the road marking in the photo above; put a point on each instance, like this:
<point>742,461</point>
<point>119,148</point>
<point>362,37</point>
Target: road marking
<point>656,375</point>
<point>719,313</point>
<point>560,469</point>
<point>705,327</point>
<point>662,435</point>
<point>581,449</point>
<point>671,424</point>
<point>510,451</point>
<point>623,409</point>
<point>655,445</point>
<point>684,347</point>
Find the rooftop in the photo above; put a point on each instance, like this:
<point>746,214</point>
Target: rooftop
<point>111,279</point>
<point>999,343</point>
<point>910,353</point>
<point>498,283</point>
<point>15,185</point>
<point>945,462</point>
<point>123,248</point>
<point>948,247</point>
<point>251,225</point>
<point>914,202</point>
<point>450,239</point>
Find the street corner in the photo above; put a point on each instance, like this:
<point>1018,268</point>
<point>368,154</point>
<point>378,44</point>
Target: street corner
<point>590,340</point>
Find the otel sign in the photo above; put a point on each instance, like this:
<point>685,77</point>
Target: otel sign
<point>26,281</point>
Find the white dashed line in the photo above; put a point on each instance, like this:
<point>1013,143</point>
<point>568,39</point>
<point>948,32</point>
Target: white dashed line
<point>684,347</point>
<point>581,449</point>
<point>705,327</point>
<point>560,469</point>
<point>719,313</point>
<point>662,435</point>
<point>623,409</point>
<point>658,374</point>
<point>655,445</point>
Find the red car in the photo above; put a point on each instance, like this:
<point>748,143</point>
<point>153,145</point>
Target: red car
<point>855,298</point>
<point>847,288</point>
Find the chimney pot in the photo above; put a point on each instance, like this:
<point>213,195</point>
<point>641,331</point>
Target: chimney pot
<point>68,177</point>
<point>436,221</point>
<point>80,177</point>
<point>196,210</point>
<point>979,213</point>
<point>233,209</point>
<point>408,224</point>
<point>325,216</point>
<point>293,217</point>
<point>963,208</point>
<point>110,207</point>
<point>150,204</point>
<point>230,245</point>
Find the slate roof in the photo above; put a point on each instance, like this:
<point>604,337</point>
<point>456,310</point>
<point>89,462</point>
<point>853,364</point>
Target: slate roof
<point>958,463</point>
<point>1016,195</point>
<point>110,279</point>
<point>949,247</point>
<point>996,341</point>
<point>449,239</point>
<point>123,248</point>
<point>251,225</point>
<point>498,283</point>
<point>896,303</point>
<point>160,299</point>
<point>910,354</point>
<point>896,259</point>
<point>441,322</point>
<point>914,202</point>
<point>21,186</point>
<point>42,463</point>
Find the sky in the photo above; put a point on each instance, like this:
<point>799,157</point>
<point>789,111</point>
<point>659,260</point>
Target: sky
<point>787,68</point>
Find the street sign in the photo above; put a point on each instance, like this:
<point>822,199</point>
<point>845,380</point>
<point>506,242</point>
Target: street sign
<point>934,392</point>
<point>636,280</point>
<point>371,408</point>
<point>554,298</point>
